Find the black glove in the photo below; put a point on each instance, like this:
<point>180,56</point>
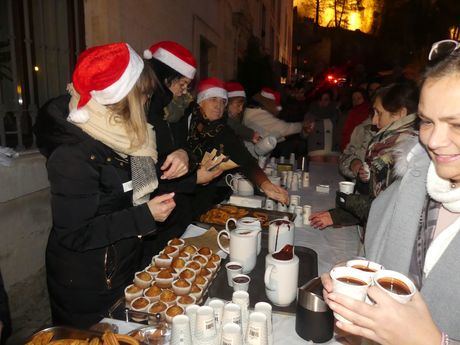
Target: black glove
<point>341,199</point>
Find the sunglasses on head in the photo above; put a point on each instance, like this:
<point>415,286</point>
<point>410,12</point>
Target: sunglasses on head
<point>442,49</point>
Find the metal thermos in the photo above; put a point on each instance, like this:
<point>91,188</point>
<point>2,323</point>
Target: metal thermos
<point>314,319</point>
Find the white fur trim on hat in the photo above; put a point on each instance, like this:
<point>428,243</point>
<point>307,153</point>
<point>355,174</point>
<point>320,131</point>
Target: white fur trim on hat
<point>211,92</point>
<point>118,90</point>
<point>148,54</point>
<point>232,94</point>
<point>175,63</point>
<point>78,115</point>
<point>268,95</point>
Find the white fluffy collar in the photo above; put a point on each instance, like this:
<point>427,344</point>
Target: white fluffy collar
<point>441,190</point>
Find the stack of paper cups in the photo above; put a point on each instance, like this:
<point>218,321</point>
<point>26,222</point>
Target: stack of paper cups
<point>205,326</point>
<point>306,214</point>
<point>180,331</point>
<point>257,333</point>
<point>266,309</point>
<point>305,179</point>
<point>231,335</point>
<point>241,298</point>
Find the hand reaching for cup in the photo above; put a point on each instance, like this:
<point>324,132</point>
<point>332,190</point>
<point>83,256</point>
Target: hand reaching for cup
<point>275,192</point>
<point>161,206</point>
<point>204,176</point>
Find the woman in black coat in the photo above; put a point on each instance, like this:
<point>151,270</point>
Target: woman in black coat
<point>101,167</point>
<point>209,130</point>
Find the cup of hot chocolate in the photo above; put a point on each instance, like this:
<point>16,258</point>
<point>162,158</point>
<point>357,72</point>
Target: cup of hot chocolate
<point>350,282</point>
<point>396,285</point>
<point>366,266</point>
<point>233,269</point>
<point>241,282</point>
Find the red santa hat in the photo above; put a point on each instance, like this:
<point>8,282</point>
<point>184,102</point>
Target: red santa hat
<point>106,74</point>
<point>268,93</point>
<point>174,55</point>
<point>235,89</point>
<point>211,87</point>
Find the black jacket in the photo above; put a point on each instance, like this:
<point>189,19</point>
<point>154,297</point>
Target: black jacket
<point>94,246</point>
<point>5,317</point>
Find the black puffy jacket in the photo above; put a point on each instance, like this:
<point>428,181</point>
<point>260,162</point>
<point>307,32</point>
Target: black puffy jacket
<point>94,247</point>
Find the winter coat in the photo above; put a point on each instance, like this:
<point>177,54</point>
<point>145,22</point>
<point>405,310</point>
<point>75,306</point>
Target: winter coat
<point>380,156</point>
<point>391,234</point>
<point>240,130</point>
<point>94,246</point>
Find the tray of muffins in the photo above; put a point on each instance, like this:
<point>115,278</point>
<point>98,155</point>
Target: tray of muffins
<point>177,277</point>
<point>219,214</point>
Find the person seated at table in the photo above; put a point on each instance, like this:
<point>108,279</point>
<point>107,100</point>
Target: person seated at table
<point>209,130</point>
<point>395,117</point>
<point>235,108</point>
<point>359,112</point>
<point>175,68</point>
<point>413,226</point>
<point>323,116</point>
<point>101,163</point>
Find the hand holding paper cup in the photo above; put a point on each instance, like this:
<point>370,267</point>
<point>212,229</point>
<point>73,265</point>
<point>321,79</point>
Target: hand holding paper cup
<point>350,282</point>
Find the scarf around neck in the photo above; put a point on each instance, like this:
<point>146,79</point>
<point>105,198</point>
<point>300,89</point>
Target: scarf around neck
<point>102,127</point>
<point>441,190</point>
<point>202,130</point>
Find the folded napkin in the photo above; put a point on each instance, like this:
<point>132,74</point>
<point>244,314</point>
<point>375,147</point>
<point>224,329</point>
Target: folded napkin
<point>213,158</point>
<point>208,239</point>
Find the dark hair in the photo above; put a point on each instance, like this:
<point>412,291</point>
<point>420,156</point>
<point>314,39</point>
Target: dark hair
<point>165,74</point>
<point>399,95</point>
<point>450,65</point>
<point>362,91</point>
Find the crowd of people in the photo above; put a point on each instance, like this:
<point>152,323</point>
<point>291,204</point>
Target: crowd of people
<point>124,150</point>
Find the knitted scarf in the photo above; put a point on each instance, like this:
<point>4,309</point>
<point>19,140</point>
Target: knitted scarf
<point>103,127</point>
<point>441,190</point>
<point>201,130</point>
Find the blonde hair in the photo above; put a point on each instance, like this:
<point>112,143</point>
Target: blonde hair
<point>131,110</point>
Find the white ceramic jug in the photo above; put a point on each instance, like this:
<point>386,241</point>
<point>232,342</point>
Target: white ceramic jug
<point>243,246</point>
<point>280,233</point>
<point>248,223</point>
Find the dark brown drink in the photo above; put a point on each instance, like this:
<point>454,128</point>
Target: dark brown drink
<point>364,268</point>
<point>233,267</point>
<point>394,285</point>
<point>241,280</point>
<point>351,281</point>
<point>285,254</point>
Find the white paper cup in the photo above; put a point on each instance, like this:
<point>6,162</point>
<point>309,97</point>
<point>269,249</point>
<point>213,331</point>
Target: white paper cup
<point>218,306</point>
<point>295,200</point>
<point>205,326</point>
<point>392,278</point>
<point>231,334</point>
<point>269,204</point>
<point>190,311</point>
<point>180,331</point>
<point>368,267</point>
<point>241,285</point>
<point>241,298</point>
<point>266,309</point>
<point>276,180</point>
<point>346,187</point>
<point>257,333</point>
<point>281,207</point>
<point>231,272</point>
<point>357,292</point>
<point>232,314</point>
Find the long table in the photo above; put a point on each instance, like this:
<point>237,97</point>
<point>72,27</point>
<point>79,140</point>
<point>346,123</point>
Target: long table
<point>332,245</point>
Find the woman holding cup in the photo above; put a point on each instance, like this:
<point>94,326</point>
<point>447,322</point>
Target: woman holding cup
<point>209,130</point>
<point>413,226</point>
<point>394,116</point>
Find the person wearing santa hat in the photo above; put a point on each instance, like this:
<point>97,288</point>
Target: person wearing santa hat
<point>235,108</point>
<point>209,130</point>
<point>175,68</point>
<point>261,115</point>
<point>101,162</point>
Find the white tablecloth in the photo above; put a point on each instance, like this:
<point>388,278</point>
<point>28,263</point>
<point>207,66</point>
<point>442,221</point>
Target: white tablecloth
<point>332,245</point>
